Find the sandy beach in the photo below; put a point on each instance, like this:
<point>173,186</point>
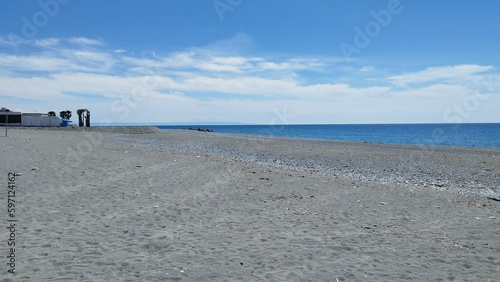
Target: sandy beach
<point>140,204</point>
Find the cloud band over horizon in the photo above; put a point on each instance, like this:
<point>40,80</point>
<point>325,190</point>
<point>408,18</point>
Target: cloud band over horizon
<point>214,83</point>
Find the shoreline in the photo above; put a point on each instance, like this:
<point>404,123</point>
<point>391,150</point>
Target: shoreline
<point>144,129</point>
<point>462,170</point>
<point>437,134</point>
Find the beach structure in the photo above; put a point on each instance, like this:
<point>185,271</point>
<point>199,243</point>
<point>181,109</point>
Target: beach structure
<point>65,116</point>
<point>9,118</point>
<point>87,119</point>
<point>83,119</point>
<point>39,120</point>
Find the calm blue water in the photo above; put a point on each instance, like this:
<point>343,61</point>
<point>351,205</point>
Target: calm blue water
<point>467,134</point>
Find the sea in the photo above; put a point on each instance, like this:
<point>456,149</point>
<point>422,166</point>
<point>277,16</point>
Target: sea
<point>486,135</point>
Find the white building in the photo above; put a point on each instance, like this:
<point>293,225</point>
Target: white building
<point>37,119</point>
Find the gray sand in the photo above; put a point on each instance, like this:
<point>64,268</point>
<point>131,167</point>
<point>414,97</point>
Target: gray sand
<point>457,169</point>
<point>197,206</point>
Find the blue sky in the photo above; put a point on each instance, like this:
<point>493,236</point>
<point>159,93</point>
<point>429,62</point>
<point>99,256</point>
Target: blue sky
<point>253,61</point>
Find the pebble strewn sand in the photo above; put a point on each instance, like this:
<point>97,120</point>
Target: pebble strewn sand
<point>198,206</point>
<point>457,169</point>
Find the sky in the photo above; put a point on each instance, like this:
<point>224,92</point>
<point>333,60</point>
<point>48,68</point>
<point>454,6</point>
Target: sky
<point>253,61</point>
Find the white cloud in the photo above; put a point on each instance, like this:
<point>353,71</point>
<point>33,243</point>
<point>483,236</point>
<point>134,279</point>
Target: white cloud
<point>59,61</point>
<point>32,63</point>
<point>208,83</point>
<point>91,61</point>
<point>457,72</point>
<point>436,91</point>
<point>367,69</point>
<point>47,42</point>
<point>280,66</point>
<point>83,41</point>
<point>240,42</point>
<point>13,41</point>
